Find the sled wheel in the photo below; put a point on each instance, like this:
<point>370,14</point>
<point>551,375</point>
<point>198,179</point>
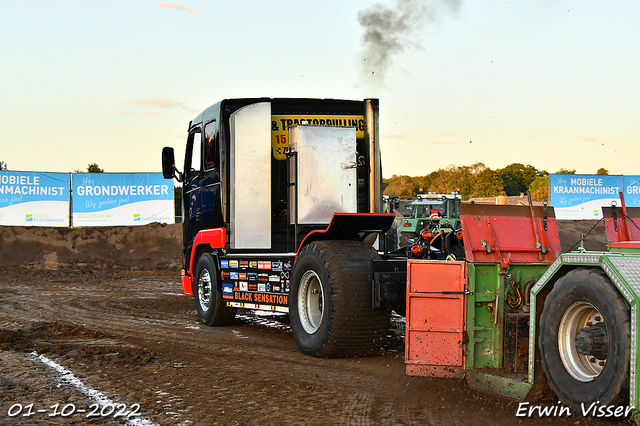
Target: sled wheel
<point>585,339</point>
<point>330,301</point>
<point>209,304</point>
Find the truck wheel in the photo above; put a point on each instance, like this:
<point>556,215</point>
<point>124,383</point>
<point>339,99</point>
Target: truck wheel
<point>585,339</point>
<point>330,301</point>
<point>209,304</point>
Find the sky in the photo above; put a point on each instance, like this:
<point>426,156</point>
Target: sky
<point>550,83</point>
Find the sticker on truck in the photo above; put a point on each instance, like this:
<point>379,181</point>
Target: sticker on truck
<point>261,284</point>
<point>280,128</point>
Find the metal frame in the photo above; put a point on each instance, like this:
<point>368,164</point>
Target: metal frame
<point>250,171</point>
<point>624,272</point>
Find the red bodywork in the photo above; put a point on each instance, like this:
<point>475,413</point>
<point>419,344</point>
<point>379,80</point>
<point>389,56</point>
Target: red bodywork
<point>437,290</point>
<point>350,226</point>
<point>435,318</point>
<point>499,234</point>
<point>214,238</point>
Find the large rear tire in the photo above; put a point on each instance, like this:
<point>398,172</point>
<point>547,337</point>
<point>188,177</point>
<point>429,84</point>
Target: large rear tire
<point>209,304</point>
<point>585,340</point>
<point>330,301</point>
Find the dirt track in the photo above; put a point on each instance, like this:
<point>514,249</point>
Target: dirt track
<point>125,329</point>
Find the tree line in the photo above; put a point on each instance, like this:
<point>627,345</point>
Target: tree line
<point>476,180</point>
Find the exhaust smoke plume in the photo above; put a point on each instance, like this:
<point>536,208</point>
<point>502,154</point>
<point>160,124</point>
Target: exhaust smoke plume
<point>390,31</point>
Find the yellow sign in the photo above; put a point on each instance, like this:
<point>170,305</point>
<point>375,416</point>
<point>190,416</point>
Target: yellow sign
<point>280,128</point>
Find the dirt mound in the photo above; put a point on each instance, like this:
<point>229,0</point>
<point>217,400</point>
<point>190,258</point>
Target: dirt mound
<point>153,246</point>
<point>157,246</point>
<point>569,232</point>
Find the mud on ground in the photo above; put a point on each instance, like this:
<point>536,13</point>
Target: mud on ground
<point>123,327</point>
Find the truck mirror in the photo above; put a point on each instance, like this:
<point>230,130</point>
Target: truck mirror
<point>168,162</point>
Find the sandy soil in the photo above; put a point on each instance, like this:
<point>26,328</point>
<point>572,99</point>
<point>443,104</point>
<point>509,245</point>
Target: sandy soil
<point>154,246</point>
<point>115,317</point>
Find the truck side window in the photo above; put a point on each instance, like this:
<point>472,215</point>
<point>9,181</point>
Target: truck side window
<point>194,148</point>
<point>211,146</point>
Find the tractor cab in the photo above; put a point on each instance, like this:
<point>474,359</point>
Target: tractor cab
<point>430,211</point>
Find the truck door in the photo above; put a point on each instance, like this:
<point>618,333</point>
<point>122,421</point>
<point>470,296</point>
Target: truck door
<point>193,184</point>
<point>211,185</point>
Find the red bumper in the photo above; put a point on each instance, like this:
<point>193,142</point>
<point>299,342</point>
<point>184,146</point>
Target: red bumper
<point>187,285</point>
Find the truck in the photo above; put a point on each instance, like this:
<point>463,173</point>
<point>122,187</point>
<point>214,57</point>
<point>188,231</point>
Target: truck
<point>429,211</point>
<point>516,317</point>
<point>282,211</point>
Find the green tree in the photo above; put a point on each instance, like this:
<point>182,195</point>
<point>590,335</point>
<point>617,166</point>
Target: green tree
<point>461,180</point>
<point>487,183</point>
<point>517,177</point>
<point>422,182</point>
<point>91,168</point>
<point>94,168</point>
<point>478,167</point>
<point>564,171</point>
<point>476,180</point>
<point>401,186</point>
<point>446,180</point>
<point>539,188</point>
<point>439,180</point>
<point>3,165</point>
<point>602,171</point>
<point>451,179</point>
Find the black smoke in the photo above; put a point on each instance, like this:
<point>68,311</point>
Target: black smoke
<point>393,30</point>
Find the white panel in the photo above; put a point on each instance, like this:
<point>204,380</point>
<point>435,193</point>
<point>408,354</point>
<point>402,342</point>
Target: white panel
<point>250,175</point>
<point>132,214</point>
<point>327,174</point>
<point>35,213</point>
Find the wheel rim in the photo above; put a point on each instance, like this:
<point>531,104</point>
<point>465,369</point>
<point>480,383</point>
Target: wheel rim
<point>581,364</point>
<point>204,290</point>
<point>310,302</point>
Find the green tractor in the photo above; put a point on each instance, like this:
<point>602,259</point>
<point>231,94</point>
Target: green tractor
<point>430,210</point>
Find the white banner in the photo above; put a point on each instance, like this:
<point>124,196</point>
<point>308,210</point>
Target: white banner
<point>34,199</point>
<point>583,196</point>
<point>121,199</point>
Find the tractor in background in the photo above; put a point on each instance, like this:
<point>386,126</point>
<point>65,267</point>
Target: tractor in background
<point>430,211</point>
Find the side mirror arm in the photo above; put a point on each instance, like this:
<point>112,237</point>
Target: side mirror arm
<point>177,175</point>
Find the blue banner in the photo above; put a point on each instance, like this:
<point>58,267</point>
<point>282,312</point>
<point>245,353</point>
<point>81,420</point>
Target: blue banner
<point>109,199</point>
<point>632,191</point>
<point>34,199</point>
<point>582,196</point>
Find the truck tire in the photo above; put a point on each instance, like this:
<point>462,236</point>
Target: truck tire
<point>585,340</point>
<point>209,304</point>
<point>330,301</point>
